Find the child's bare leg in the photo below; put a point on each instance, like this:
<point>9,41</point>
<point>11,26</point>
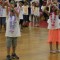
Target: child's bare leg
<point>51,46</point>
<point>57,48</point>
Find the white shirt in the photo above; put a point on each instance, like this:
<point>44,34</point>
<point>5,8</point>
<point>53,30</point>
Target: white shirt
<point>4,12</point>
<point>16,32</point>
<point>21,13</point>
<point>57,23</point>
<point>25,10</point>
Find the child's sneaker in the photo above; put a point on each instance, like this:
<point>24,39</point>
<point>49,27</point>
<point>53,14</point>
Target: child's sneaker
<point>58,51</point>
<point>14,56</point>
<point>53,51</point>
<point>8,57</point>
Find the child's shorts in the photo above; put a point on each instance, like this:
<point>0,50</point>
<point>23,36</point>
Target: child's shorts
<point>11,41</point>
<point>2,20</point>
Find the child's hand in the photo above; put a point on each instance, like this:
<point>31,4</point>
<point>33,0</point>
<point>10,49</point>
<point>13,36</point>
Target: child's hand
<point>49,3</point>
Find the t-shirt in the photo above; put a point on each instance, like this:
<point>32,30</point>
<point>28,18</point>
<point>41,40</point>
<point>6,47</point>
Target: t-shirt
<point>25,10</point>
<point>16,28</point>
<point>4,12</point>
<point>43,8</point>
<point>21,13</point>
<point>56,22</point>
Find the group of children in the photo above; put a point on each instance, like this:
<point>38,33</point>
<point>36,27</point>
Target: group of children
<point>13,15</point>
<point>33,11</point>
<point>12,27</point>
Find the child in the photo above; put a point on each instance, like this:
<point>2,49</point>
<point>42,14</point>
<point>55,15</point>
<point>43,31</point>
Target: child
<point>4,17</point>
<point>53,26</point>
<point>21,14</point>
<point>36,14</point>
<point>1,14</point>
<point>12,30</point>
<point>25,14</point>
<point>32,10</point>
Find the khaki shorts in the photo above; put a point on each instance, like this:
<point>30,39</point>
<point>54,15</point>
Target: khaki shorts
<point>11,41</point>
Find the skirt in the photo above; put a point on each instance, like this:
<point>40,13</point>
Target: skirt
<point>53,36</point>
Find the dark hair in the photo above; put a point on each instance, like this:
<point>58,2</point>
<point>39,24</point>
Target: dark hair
<point>51,9</point>
<point>21,2</point>
<point>55,10</point>
<point>15,4</point>
<point>47,8</point>
<point>11,0</point>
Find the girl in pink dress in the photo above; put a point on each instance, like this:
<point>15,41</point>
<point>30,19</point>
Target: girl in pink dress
<point>53,26</point>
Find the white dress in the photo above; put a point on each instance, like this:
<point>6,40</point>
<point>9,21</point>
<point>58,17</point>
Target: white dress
<point>16,32</point>
<point>57,23</point>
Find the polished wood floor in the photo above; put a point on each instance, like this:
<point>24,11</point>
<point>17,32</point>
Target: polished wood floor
<point>32,45</point>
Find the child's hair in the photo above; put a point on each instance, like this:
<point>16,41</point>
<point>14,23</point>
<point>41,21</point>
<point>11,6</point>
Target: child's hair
<point>52,10</point>
<point>21,2</point>
<point>25,3</point>
<point>47,8</point>
<point>55,10</point>
<point>13,2</point>
<point>36,4</point>
<point>33,2</point>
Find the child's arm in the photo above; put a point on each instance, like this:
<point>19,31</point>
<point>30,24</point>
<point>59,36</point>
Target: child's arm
<point>55,6</point>
<point>46,11</point>
<point>58,12</point>
<point>16,12</point>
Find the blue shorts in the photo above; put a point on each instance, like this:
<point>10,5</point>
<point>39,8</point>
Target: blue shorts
<point>2,20</point>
